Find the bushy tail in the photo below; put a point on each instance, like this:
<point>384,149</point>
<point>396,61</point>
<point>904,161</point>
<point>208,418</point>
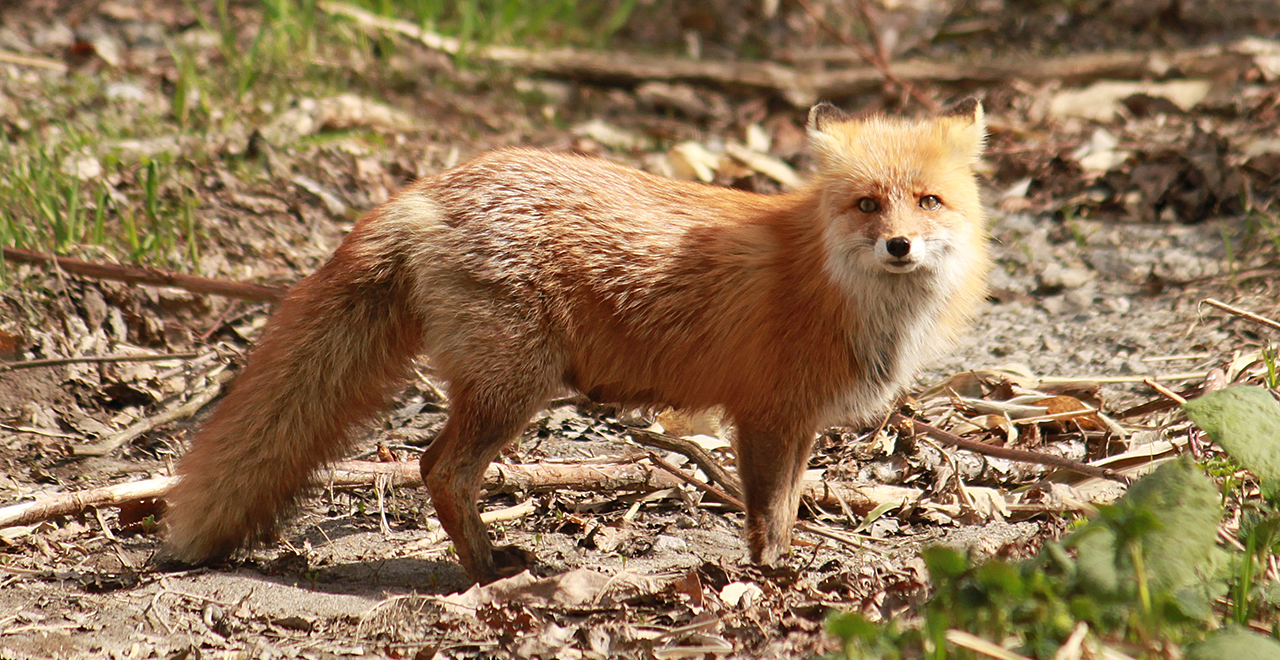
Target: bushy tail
<point>339,345</point>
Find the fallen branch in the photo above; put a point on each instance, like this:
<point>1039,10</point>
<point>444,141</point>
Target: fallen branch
<point>30,513</point>
<point>503,478</point>
<point>498,478</point>
<point>347,474</point>
<point>603,67</point>
<point>153,276</point>
<point>803,87</point>
<point>1020,455</point>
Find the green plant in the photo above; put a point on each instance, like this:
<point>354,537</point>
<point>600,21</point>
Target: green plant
<point>1078,235</point>
<point>1146,574</point>
<point>1270,357</point>
<point>1229,245</point>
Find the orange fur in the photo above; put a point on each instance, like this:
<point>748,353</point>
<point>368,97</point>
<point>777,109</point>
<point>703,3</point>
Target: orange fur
<point>522,272</point>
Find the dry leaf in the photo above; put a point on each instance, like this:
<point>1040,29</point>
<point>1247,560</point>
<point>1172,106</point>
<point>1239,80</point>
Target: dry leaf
<point>1101,100</point>
<point>692,161</point>
<point>611,136</point>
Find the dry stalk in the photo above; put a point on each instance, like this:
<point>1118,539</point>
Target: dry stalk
<point>1244,314</point>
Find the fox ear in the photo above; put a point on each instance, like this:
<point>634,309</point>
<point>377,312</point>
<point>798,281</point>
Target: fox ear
<point>824,114</point>
<point>966,128</point>
<point>966,108</point>
<point>822,141</point>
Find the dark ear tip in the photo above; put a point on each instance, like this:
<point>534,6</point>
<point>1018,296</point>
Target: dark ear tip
<point>825,113</point>
<point>967,107</point>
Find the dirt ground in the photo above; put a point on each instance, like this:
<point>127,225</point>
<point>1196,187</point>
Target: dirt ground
<point>1109,229</point>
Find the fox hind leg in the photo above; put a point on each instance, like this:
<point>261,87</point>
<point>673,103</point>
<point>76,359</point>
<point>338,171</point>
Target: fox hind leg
<point>482,420</point>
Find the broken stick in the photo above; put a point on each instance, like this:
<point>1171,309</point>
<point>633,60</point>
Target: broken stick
<point>154,276</point>
<point>1020,455</point>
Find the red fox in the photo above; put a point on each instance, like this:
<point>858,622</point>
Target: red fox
<point>523,272</point>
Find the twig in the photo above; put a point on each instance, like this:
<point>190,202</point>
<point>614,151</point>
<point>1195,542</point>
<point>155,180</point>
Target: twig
<point>837,535</point>
<point>878,58</point>
<point>102,522</point>
<point>861,499</point>
<point>695,453</point>
<point>1058,417</point>
<point>53,362</point>
<point>35,431</point>
<point>516,512</point>
<point>191,407</point>
<point>1020,455</point>
<point>735,502</point>
<point>1060,380</point>
<point>32,60</point>
<point>152,276</point>
<point>1165,392</point>
<point>1242,313</point>
<point>980,645</point>
<point>1161,404</point>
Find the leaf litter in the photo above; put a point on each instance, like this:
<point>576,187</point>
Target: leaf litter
<point>609,583</point>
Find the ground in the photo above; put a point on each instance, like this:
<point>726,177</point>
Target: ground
<point>1114,215</point>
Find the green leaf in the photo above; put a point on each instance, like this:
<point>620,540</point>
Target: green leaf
<point>1096,560</point>
<point>1001,577</point>
<point>1235,644</point>
<point>1270,593</point>
<point>1245,421</point>
<point>849,626</point>
<point>944,564</point>
<point>1173,515</point>
<point>1181,549</point>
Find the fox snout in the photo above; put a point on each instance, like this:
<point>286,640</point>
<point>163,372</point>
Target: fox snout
<point>900,254</point>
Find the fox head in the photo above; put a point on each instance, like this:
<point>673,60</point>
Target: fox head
<point>899,196</point>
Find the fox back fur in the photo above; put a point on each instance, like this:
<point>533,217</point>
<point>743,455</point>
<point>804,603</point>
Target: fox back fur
<point>522,272</point>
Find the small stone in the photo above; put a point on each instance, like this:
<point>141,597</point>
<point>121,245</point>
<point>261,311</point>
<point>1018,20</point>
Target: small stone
<point>1117,304</point>
<point>740,593</point>
<point>83,167</point>
<point>1055,305</point>
<point>1079,299</point>
<point>1135,366</point>
<point>668,543</point>
<point>1057,276</point>
<point>125,91</point>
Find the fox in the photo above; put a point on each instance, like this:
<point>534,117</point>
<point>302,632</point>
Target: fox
<point>522,274</point>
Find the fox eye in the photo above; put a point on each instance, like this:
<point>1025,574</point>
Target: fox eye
<point>868,205</point>
<point>930,203</point>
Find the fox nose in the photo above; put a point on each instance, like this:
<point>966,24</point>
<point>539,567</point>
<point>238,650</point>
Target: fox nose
<point>898,246</point>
